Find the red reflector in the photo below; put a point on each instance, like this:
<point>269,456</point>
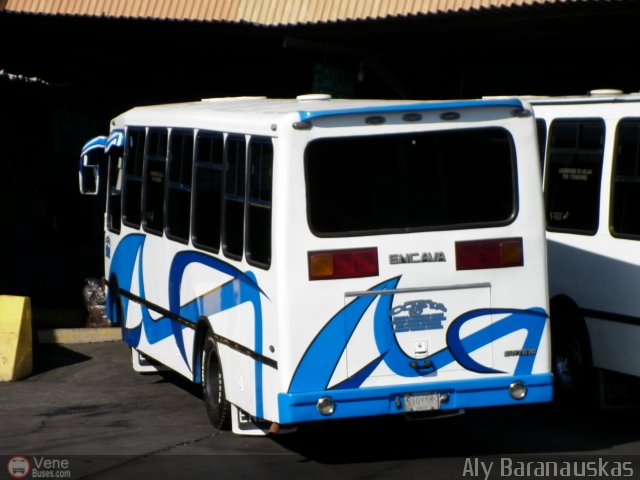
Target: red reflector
<point>332,264</point>
<point>494,253</point>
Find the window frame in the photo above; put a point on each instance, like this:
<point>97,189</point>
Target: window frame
<point>115,181</point>
<point>549,151</point>
<point>514,183</point>
<point>252,202</point>
<point>613,182</point>
<point>236,197</point>
<point>172,186</point>
<point>129,178</point>
<point>146,181</point>
<point>195,190</point>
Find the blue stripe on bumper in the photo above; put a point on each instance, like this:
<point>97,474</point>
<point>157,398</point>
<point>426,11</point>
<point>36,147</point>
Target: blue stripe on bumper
<point>369,401</point>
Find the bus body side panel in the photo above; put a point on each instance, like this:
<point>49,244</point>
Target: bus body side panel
<point>625,336</point>
<point>162,301</point>
<point>605,291</point>
<point>599,272</point>
<point>140,264</point>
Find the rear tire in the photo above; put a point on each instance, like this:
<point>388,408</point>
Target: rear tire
<point>215,400</point>
<point>568,361</point>
<point>115,304</point>
<point>571,359</point>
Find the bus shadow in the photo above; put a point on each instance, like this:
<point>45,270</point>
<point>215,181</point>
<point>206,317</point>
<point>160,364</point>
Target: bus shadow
<point>178,380</point>
<point>47,357</point>
<point>536,429</point>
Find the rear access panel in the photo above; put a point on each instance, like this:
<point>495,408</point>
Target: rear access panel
<point>404,333</point>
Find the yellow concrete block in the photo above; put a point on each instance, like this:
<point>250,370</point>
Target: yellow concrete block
<point>16,351</point>
<point>80,335</point>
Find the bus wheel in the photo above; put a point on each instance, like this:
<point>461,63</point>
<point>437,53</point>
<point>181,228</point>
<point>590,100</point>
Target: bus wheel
<point>568,361</point>
<point>115,304</point>
<point>571,363</point>
<point>215,400</point>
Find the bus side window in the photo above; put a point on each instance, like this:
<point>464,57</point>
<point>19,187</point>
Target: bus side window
<point>207,191</point>
<point>234,185</point>
<point>574,170</point>
<point>114,186</point>
<point>155,159</point>
<point>132,188</point>
<point>625,197</point>
<point>259,211</point>
<point>179,184</point>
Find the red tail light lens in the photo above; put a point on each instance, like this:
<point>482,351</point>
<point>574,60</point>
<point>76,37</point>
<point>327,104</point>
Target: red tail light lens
<point>333,264</point>
<point>494,253</point>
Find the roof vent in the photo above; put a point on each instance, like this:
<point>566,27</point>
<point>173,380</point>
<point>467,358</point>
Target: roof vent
<point>313,97</point>
<point>606,91</point>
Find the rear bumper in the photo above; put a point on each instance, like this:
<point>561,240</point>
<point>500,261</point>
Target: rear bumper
<point>370,401</point>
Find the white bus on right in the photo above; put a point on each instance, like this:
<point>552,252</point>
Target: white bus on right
<point>590,149</point>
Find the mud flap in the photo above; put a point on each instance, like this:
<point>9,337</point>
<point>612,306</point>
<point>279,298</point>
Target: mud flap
<point>142,364</point>
<point>244,424</point>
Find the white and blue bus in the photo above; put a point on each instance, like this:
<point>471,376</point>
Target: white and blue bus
<point>590,145</point>
<point>315,258</point>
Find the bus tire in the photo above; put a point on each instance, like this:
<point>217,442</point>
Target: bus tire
<point>571,358</point>
<point>115,303</point>
<point>215,400</point>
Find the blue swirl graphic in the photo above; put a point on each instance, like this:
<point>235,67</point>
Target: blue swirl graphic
<point>242,287</point>
<point>322,356</point>
<point>318,364</point>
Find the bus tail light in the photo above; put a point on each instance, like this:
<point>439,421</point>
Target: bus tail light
<point>334,264</point>
<point>494,253</point>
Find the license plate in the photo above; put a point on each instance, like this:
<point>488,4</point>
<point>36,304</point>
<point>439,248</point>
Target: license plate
<point>420,402</point>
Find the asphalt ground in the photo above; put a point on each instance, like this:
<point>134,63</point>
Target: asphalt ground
<point>84,405</point>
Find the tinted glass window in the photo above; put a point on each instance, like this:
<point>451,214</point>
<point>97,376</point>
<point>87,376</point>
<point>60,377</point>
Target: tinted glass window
<point>259,211</point>
<point>233,227</point>
<point>114,186</point>
<point>429,180</point>
<point>207,198</point>
<point>132,189</point>
<point>573,172</point>
<point>155,163</point>
<point>179,185</point>
<point>625,215</point>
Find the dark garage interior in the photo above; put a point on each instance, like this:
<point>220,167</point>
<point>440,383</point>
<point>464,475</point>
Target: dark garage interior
<point>62,78</point>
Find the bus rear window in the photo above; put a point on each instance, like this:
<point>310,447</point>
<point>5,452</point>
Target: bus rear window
<point>417,181</point>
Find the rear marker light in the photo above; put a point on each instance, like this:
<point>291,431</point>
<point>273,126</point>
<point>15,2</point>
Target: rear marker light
<point>326,406</point>
<point>334,264</point>
<point>517,390</point>
<point>494,253</point>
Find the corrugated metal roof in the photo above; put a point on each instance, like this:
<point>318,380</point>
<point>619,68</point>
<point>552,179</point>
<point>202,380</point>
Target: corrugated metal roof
<point>260,12</point>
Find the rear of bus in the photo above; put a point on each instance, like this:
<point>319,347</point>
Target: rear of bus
<point>414,260</point>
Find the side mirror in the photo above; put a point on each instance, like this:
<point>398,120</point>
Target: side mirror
<point>89,175</point>
<point>89,172</point>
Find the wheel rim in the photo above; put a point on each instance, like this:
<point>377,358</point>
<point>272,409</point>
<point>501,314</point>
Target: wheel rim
<point>212,378</point>
<point>217,406</point>
<point>568,362</point>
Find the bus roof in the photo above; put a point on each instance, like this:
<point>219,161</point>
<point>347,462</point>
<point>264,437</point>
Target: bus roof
<point>593,97</point>
<point>307,107</point>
